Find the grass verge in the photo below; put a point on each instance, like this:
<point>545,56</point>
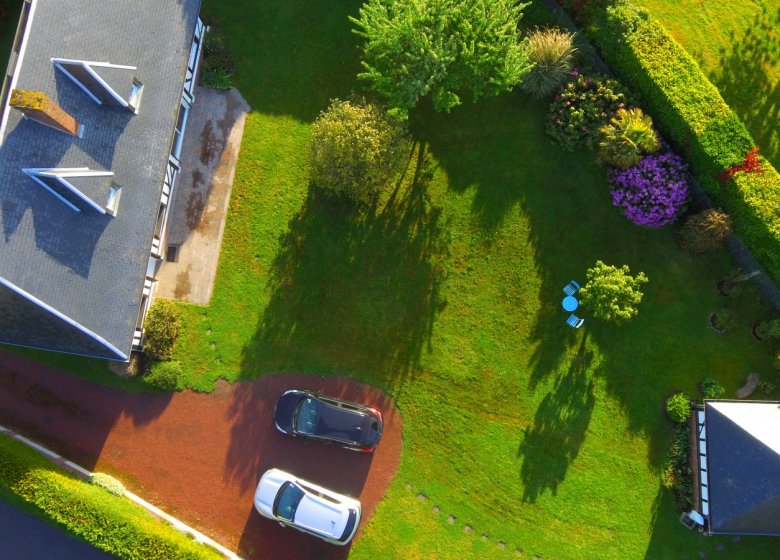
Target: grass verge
<point>108,522</point>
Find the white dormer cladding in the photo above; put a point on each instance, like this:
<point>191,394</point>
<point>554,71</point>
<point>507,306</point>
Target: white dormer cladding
<point>174,164</point>
<point>59,182</point>
<point>196,50</point>
<point>86,75</point>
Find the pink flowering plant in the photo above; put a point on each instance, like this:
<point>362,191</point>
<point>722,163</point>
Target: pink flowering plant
<point>581,108</point>
<point>653,192</point>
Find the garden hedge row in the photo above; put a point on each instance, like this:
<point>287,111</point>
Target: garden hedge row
<point>695,119</point>
<point>108,522</point>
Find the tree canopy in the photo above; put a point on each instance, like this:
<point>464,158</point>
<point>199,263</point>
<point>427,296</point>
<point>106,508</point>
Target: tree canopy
<point>611,293</point>
<point>356,149</point>
<point>444,48</point>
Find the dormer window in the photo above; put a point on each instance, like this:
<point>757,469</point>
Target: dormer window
<point>79,187</point>
<point>102,81</point>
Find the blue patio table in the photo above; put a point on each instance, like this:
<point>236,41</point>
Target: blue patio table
<point>570,303</point>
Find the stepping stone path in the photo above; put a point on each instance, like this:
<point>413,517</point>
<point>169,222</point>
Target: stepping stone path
<point>747,389</point>
<point>468,529</point>
<point>719,547</point>
<point>702,554</point>
<point>737,538</point>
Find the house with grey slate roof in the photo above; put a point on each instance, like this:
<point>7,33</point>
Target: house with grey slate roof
<point>738,466</point>
<point>93,111</point>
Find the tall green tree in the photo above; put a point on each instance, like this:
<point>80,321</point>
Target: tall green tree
<point>441,48</point>
<point>611,293</point>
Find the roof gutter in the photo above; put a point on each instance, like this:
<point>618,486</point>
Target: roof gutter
<point>15,61</point>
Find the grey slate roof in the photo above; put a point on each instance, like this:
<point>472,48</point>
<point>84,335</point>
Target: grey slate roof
<point>743,460</point>
<point>88,266</point>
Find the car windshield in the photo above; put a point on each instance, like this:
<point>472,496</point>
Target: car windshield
<point>306,419</point>
<point>287,501</point>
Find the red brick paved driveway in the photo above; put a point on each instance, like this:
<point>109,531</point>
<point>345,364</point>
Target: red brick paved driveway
<point>199,456</point>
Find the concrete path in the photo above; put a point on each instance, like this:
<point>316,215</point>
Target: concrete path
<point>24,537</point>
<point>201,198</point>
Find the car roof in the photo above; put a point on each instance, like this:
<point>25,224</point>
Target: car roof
<point>322,516</point>
<point>340,423</point>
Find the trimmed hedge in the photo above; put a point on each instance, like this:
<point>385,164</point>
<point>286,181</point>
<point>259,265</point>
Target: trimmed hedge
<point>108,522</point>
<point>695,119</point>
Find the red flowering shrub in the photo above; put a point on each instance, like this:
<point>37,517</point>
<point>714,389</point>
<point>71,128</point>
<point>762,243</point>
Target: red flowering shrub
<point>751,164</point>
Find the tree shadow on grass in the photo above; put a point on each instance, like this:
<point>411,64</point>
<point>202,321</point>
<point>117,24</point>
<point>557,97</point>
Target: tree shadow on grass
<point>290,58</point>
<point>356,290</point>
<point>746,77</point>
<point>554,441</point>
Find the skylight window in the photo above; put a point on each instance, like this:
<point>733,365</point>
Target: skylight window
<point>102,81</point>
<point>61,182</point>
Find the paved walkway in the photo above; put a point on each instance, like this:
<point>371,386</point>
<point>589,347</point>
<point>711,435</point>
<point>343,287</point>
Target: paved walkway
<point>200,200</point>
<point>199,456</point>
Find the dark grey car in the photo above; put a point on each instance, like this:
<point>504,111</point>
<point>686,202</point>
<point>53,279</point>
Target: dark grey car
<point>304,414</point>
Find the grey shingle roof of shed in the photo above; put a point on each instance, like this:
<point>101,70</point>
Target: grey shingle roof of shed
<point>743,463</point>
<point>88,266</point>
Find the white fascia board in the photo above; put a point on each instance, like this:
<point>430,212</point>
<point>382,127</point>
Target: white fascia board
<point>76,81</point>
<point>55,193</point>
<point>87,65</point>
<point>18,67</point>
<point>29,297</point>
<point>61,174</point>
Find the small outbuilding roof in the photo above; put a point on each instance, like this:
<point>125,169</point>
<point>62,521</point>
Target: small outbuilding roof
<point>743,459</point>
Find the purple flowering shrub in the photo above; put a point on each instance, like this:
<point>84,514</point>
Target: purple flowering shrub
<point>581,108</point>
<point>653,192</point>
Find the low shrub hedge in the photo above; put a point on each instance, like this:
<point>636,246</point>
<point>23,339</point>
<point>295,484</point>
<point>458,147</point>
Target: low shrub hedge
<point>695,119</point>
<point>108,522</point>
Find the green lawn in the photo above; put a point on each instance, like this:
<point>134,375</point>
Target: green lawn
<point>737,44</point>
<point>447,294</point>
<point>9,17</point>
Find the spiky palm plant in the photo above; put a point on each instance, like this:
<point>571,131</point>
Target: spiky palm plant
<point>627,137</point>
<point>552,53</point>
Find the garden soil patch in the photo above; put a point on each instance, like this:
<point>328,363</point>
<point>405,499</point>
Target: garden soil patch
<point>199,456</point>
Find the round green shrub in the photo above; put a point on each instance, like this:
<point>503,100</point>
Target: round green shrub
<point>711,389</point>
<point>164,376</point>
<point>356,149</point>
<point>107,482</point>
<point>678,408</point>
<point>161,329</point>
<point>770,328</point>
<point>582,107</point>
<point>552,52</point>
<point>611,293</point>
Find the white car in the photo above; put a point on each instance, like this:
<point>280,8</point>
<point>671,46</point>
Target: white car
<point>307,507</point>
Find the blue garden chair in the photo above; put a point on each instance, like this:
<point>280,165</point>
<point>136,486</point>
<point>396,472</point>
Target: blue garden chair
<point>574,321</point>
<point>571,288</point>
